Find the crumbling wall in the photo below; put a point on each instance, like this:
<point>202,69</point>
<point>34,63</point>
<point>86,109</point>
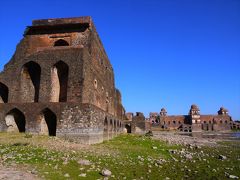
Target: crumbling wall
<point>138,124</point>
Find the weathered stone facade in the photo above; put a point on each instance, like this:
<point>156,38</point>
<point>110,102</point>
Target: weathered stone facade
<point>138,123</point>
<point>193,122</point>
<point>60,82</point>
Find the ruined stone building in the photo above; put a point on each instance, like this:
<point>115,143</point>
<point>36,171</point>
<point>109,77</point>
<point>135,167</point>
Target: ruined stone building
<point>60,82</point>
<point>194,121</point>
<point>136,123</point>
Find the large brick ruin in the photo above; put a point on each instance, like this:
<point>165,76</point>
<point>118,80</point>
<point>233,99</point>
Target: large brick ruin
<point>60,82</point>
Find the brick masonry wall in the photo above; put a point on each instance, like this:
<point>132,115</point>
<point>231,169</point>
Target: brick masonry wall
<point>79,122</point>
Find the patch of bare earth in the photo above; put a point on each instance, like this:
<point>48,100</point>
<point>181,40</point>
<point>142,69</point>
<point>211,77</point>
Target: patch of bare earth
<point>15,174</point>
<point>173,138</point>
<point>54,143</point>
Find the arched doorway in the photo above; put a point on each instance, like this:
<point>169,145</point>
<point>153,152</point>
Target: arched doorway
<point>61,42</point>
<point>128,128</point>
<point>48,122</point>
<point>59,78</point>
<point>105,125</point>
<point>3,93</point>
<point>118,126</point>
<point>30,82</point>
<point>105,131</point>
<point>15,121</point>
<point>110,131</point>
<point>111,125</point>
<point>114,125</point>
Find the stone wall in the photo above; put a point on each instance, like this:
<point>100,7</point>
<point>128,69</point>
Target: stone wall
<point>138,124</point>
<point>83,123</point>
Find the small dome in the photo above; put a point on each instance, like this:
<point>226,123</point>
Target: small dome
<point>194,106</point>
<point>223,109</point>
<point>163,110</point>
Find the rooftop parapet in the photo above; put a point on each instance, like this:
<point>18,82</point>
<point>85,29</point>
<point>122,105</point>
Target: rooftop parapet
<point>62,21</point>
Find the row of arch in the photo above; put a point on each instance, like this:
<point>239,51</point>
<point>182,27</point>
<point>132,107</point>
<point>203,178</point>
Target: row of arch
<point>204,122</point>
<point>111,128</point>
<point>235,126</point>
<point>30,83</point>
<point>47,121</point>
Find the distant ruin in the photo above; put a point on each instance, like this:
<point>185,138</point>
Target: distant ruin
<point>60,82</point>
<point>193,122</point>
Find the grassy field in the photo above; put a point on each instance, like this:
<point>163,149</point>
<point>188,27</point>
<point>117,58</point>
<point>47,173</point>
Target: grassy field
<point>126,156</point>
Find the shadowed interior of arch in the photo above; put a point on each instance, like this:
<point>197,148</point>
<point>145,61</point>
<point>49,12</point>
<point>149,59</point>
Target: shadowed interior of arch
<point>3,93</point>
<point>106,129</point>
<point>16,118</point>
<point>105,125</point>
<point>51,120</point>
<point>30,82</point>
<point>128,128</point>
<point>61,42</point>
<point>111,125</point>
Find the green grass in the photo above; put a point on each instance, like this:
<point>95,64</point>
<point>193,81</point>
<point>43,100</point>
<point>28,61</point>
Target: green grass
<point>126,156</point>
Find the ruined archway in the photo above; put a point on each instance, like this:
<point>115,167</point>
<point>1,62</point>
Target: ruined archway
<point>59,78</point>
<point>114,125</point>
<point>105,125</point>
<point>111,125</point>
<point>105,130</point>
<point>15,121</point>
<point>118,125</point>
<point>3,93</point>
<point>30,82</point>
<point>61,42</point>
<point>48,122</point>
<point>128,128</point>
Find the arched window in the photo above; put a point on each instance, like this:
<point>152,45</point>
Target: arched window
<point>3,93</point>
<point>48,122</point>
<point>15,121</point>
<point>59,78</point>
<point>30,82</point>
<point>61,42</point>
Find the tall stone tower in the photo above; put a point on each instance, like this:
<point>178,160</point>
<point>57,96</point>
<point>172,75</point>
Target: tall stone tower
<point>194,114</point>
<point>60,82</point>
<point>163,112</point>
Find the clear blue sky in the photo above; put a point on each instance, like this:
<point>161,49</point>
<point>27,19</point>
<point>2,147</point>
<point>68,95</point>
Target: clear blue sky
<point>165,53</point>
